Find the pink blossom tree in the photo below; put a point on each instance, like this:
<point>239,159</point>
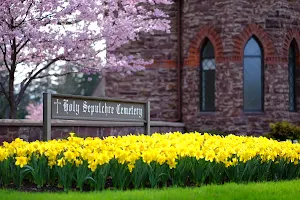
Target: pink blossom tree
<point>37,34</point>
<point>35,111</point>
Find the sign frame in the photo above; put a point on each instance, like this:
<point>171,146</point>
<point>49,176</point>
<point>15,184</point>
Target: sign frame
<point>48,115</point>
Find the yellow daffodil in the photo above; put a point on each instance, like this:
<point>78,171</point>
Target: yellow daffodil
<point>61,162</point>
<point>166,148</point>
<point>21,161</point>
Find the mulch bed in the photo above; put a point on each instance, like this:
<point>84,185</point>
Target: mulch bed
<point>31,187</point>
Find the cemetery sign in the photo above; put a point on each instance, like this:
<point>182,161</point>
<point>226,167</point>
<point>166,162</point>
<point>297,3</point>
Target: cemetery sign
<point>70,107</point>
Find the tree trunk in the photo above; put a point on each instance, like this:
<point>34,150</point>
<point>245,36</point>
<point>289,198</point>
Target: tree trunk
<point>13,111</point>
<point>11,96</point>
<point>11,89</point>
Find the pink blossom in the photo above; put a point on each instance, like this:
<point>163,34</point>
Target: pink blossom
<point>35,111</point>
<point>41,31</point>
<point>35,34</point>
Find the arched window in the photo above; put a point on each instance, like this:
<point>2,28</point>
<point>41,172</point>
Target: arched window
<point>292,80</point>
<point>253,76</point>
<point>207,74</point>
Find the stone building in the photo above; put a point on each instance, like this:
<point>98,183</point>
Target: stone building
<point>227,65</point>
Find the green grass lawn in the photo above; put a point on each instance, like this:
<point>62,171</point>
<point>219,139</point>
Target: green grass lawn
<point>255,191</point>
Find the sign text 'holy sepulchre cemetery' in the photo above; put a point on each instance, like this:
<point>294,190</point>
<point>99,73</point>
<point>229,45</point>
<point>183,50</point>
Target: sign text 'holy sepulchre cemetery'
<point>69,107</point>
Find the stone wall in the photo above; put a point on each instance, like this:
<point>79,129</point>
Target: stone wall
<point>158,45</point>
<point>32,130</point>
<point>229,25</point>
<point>158,83</point>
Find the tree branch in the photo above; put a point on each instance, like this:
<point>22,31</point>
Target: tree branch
<point>55,75</point>
<point>26,14</point>
<point>22,46</point>
<point>4,56</point>
<point>29,75</point>
<point>22,91</point>
<point>4,92</point>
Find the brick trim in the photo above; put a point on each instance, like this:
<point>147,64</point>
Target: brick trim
<point>168,64</point>
<point>268,60</point>
<point>196,44</point>
<point>262,36</point>
<point>291,34</point>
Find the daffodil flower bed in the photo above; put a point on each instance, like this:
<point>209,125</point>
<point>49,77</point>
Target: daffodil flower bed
<point>147,161</point>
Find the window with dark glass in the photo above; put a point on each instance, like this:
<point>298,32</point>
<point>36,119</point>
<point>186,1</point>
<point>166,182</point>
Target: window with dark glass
<point>207,74</point>
<point>253,76</point>
<point>292,81</point>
